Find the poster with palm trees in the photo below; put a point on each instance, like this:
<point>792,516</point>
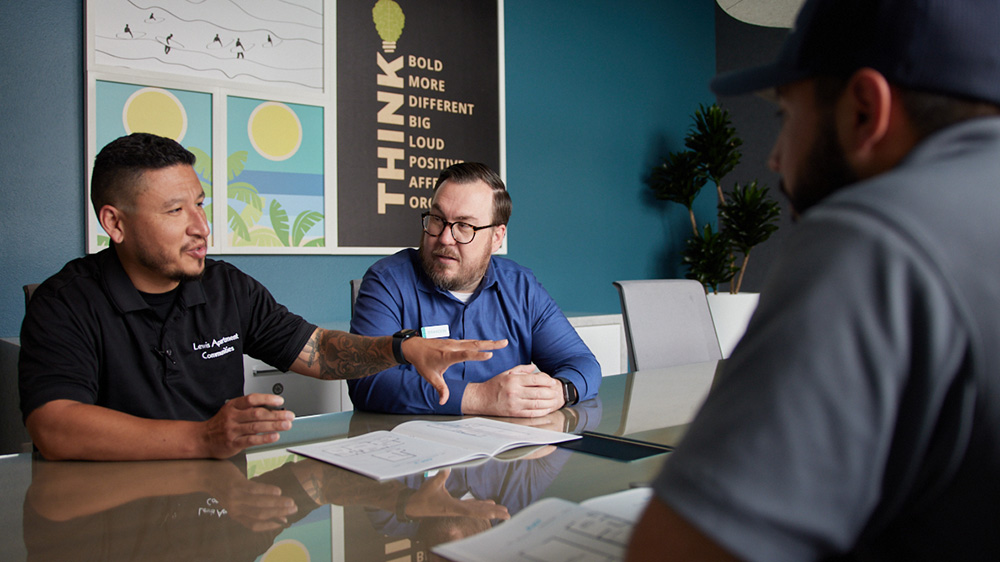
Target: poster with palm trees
<point>182,115</point>
<point>274,166</point>
<point>274,170</point>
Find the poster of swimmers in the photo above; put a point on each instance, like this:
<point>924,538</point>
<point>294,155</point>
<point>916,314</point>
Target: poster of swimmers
<point>318,126</point>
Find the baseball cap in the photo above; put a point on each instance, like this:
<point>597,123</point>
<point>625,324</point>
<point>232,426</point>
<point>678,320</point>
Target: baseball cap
<point>940,46</point>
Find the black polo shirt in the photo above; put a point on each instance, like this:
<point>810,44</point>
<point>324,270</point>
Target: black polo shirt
<point>89,336</point>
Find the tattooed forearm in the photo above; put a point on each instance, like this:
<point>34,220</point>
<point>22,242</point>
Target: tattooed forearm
<point>340,355</point>
<point>309,352</point>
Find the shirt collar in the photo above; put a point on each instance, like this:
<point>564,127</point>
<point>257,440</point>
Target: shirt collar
<point>126,297</point>
<point>425,284</point>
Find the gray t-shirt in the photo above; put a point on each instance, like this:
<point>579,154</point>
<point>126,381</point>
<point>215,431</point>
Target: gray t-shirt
<point>860,415</point>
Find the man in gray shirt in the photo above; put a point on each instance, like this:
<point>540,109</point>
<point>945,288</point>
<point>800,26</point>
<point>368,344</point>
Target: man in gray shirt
<point>859,418</point>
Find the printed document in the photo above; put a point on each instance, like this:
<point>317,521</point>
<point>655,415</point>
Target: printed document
<point>556,530</point>
<point>416,446</point>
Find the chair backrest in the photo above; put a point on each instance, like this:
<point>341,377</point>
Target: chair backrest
<point>29,290</point>
<point>667,323</point>
<point>355,287</point>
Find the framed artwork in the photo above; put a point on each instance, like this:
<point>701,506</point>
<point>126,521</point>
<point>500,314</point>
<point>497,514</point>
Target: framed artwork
<point>319,127</point>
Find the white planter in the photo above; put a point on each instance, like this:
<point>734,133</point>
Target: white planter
<point>731,313</point>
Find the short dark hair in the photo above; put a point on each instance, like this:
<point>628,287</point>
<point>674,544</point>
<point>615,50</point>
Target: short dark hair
<point>120,164</point>
<point>469,172</point>
<point>929,112</point>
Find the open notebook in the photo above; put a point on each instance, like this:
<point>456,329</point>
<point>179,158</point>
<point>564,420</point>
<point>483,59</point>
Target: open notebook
<point>416,446</point>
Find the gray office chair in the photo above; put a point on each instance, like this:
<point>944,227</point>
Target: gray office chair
<point>355,287</point>
<point>29,290</point>
<point>18,441</point>
<point>667,323</point>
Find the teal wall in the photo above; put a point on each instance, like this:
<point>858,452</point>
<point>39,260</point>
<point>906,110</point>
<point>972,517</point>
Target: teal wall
<point>597,91</point>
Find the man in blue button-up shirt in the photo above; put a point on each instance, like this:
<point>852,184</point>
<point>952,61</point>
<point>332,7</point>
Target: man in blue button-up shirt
<point>454,287</point>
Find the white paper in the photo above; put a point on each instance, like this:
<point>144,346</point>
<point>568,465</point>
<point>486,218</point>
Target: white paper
<point>556,530</point>
<point>628,504</point>
<point>417,446</point>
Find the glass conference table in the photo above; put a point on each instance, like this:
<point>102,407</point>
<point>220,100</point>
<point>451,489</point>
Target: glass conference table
<point>269,505</point>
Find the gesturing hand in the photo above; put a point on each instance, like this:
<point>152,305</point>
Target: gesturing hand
<point>434,500</point>
<point>244,422</point>
<point>432,357</point>
<point>257,506</point>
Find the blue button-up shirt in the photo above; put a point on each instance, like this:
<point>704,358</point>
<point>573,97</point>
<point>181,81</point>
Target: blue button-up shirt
<point>509,304</point>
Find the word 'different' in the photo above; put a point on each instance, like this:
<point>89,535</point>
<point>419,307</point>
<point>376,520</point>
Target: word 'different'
<point>394,144</point>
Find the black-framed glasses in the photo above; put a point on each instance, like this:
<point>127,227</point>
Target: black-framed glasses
<point>462,232</point>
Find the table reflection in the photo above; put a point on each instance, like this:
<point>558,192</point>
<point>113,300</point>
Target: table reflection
<point>510,482</point>
<point>180,510</point>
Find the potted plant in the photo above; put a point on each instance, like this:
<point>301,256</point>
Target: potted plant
<point>747,216</point>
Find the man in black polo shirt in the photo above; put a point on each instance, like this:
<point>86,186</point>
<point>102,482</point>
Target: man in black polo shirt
<point>136,352</point>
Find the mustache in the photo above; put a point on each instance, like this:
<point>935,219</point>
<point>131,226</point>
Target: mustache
<point>198,242</point>
<point>445,252</point>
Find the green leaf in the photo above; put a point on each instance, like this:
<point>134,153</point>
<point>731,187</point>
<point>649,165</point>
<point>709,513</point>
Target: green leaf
<point>279,221</point>
<point>749,217</point>
<point>679,178</point>
<point>237,226</point>
<point>246,193</point>
<point>202,163</point>
<point>303,223</point>
<point>714,139</point>
<point>207,188</point>
<point>315,243</point>
<point>251,214</point>
<point>708,258</point>
<point>265,237</point>
<point>235,164</point>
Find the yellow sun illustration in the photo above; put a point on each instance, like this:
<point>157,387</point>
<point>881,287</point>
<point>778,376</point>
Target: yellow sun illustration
<point>275,131</point>
<point>157,111</point>
<point>288,550</point>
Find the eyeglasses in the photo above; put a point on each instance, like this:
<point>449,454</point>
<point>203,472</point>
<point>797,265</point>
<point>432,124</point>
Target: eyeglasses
<point>462,232</point>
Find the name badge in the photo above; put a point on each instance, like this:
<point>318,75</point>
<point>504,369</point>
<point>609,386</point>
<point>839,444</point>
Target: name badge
<point>441,331</point>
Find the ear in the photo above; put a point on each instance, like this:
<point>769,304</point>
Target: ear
<point>865,116</point>
<point>112,220</point>
<point>498,233</point>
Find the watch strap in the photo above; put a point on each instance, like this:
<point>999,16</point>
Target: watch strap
<point>397,344</point>
<point>570,395</point>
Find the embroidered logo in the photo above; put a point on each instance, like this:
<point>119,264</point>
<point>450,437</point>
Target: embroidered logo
<point>216,347</point>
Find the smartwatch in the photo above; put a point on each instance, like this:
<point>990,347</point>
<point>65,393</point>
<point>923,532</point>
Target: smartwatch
<point>570,395</point>
<point>397,344</point>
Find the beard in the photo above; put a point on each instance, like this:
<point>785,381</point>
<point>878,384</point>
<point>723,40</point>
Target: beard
<point>470,271</point>
<point>164,265</point>
<point>826,170</point>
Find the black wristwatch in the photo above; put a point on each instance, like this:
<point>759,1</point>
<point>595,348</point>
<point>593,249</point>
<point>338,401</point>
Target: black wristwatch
<point>570,395</point>
<point>397,344</point>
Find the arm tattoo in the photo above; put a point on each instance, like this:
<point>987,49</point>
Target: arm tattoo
<point>340,355</point>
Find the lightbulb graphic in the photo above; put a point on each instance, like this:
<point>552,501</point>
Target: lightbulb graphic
<point>389,22</point>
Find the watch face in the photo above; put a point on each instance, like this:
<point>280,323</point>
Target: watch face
<point>569,392</point>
